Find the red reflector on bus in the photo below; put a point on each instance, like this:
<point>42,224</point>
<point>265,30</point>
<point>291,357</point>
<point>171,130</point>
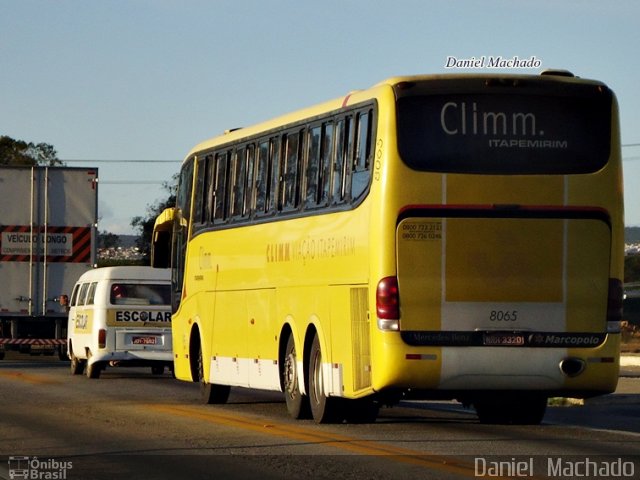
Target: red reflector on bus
<point>388,299</point>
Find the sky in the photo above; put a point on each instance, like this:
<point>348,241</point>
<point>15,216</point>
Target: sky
<point>130,86</point>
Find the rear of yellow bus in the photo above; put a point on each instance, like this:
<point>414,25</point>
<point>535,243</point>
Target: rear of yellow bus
<point>503,286</point>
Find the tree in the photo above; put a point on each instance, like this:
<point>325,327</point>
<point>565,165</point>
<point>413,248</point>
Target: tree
<point>144,225</point>
<point>19,152</point>
<point>108,240</point>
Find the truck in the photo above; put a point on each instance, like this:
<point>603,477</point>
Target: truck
<point>48,234</point>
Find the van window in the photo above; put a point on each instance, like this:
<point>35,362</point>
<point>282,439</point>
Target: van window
<point>92,294</point>
<point>83,293</point>
<point>140,294</point>
<point>74,295</point>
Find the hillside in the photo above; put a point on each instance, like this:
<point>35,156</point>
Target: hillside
<point>632,235</point>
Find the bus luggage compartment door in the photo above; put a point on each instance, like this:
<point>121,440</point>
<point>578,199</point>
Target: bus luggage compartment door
<point>479,274</point>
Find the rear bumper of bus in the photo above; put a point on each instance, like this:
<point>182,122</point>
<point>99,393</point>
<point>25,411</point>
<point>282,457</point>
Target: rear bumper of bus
<point>450,372</point>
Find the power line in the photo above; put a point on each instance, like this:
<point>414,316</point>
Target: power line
<point>93,160</point>
<point>131,182</point>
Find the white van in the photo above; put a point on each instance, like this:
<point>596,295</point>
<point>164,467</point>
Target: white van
<point>120,315</point>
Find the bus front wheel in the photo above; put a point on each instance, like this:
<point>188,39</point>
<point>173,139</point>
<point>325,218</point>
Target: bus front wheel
<point>211,393</point>
<point>324,409</point>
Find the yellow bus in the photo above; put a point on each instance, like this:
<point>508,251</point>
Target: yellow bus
<point>432,237</point>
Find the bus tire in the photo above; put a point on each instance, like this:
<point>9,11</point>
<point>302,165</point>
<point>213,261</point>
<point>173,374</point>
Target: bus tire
<point>297,403</point>
<point>514,409</point>
<point>323,408</point>
<point>211,393</point>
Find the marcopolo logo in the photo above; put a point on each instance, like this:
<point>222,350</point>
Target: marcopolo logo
<point>38,469</point>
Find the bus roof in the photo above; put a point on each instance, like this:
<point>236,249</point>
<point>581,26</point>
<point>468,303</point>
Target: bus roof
<point>357,96</point>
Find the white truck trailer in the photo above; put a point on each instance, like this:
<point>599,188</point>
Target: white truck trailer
<point>48,221</point>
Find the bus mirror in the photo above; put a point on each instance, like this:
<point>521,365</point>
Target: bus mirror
<point>161,249</point>
<point>161,240</point>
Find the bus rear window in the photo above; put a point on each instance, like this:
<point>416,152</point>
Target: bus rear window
<point>140,294</point>
<point>509,131</point>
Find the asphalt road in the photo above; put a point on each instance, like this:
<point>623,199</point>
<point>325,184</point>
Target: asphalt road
<point>131,424</point>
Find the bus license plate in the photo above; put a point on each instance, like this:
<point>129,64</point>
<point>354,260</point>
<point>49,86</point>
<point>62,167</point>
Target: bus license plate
<point>503,339</point>
<point>145,340</point>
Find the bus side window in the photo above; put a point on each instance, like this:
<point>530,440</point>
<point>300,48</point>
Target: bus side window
<point>273,176</point>
<point>248,191</point>
<point>342,162</point>
<point>326,156</point>
<point>220,188</point>
<point>291,171</point>
<point>199,194</point>
<point>181,228</point>
<point>238,175</point>
<point>362,158</point>
<point>262,178</point>
<point>207,214</point>
<point>313,167</point>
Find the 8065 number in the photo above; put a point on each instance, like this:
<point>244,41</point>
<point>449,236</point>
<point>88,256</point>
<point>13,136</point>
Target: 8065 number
<point>503,315</point>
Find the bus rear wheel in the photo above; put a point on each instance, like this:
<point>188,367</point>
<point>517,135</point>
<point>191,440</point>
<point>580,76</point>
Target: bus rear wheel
<point>297,403</point>
<point>211,393</point>
<point>324,409</point>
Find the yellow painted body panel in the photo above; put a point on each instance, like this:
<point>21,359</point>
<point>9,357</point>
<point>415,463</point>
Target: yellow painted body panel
<point>244,287</point>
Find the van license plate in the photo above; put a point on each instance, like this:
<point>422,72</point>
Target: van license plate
<point>144,340</point>
<point>503,339</point>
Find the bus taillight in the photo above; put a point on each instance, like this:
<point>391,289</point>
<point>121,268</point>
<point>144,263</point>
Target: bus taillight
<point>614,305</point>
<point>102,338</point>
<point>388,304</point>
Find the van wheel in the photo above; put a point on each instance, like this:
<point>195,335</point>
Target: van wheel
<point>211,393</point>
<point>77,365</point>
<point>93,368</point>
<point>323,408</point>
<point>297,404</point>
